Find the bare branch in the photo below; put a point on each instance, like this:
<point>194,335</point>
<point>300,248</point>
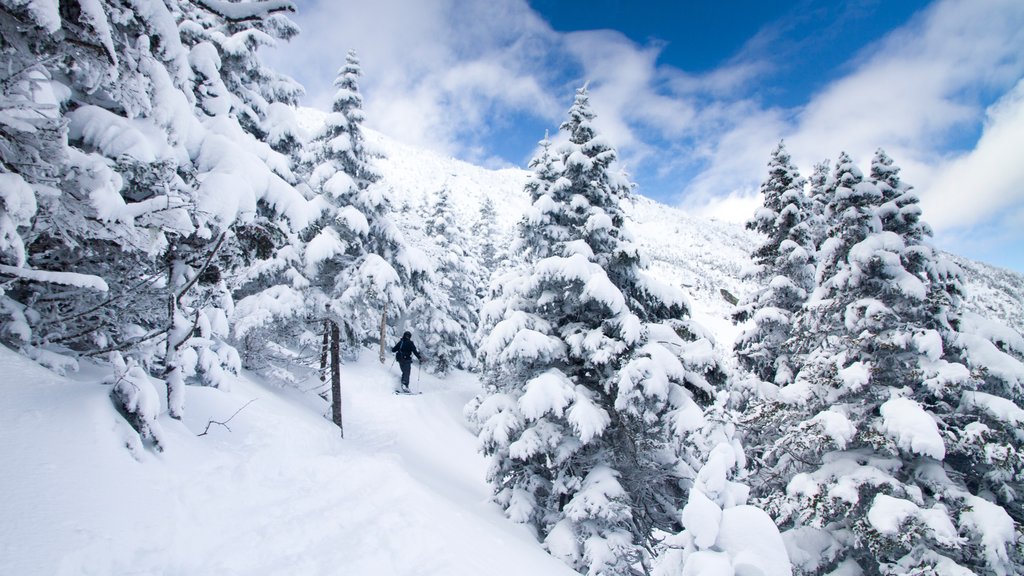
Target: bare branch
<point>225,423</point>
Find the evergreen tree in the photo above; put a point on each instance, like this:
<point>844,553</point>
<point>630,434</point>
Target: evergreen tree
<point>127,237</point>
<point>721,532</point>
<point>485,232</point>
<point>819,195</point>
<point>355,251</point>
<point>785,264</point>
<point>590,368</point>
<point>855,454</point>
<point>445,309</point>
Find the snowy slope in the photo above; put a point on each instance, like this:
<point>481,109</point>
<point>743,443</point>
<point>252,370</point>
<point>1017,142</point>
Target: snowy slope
<point>277,493</point>
<point>699,255</point>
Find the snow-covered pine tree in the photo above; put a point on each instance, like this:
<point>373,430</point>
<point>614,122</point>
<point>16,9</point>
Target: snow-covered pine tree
<point>148,192</point>
<point>445,309</point>
<point>785,265</point>
<point>819,194</point>
<point>486,234</point>
<point>722,534</point>
<point>355,254</point>
<point>245,198</point>
<point>115,84</point>
<point>261,258</point>
<point>854,455</point>
<point>32,151</point>
<point>229,77</point>
<point>591,368</point>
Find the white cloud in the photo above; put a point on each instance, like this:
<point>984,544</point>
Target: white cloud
<point>450,75</point>
<point>989,178</point>
<point>913,93</point>
<point>435,73</point>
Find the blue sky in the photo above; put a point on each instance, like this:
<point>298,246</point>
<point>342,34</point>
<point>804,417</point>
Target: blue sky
<point>695,94</point>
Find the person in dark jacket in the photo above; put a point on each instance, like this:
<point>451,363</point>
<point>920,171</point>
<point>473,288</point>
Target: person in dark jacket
<point>404,351</point>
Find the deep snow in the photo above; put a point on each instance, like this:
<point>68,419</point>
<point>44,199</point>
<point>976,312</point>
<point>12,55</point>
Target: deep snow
<point>278,493</point>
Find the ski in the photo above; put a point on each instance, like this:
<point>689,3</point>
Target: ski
<point>410,393</point>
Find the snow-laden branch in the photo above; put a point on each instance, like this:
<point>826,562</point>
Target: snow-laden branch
<point>65,278</point>
<point>242,11</point>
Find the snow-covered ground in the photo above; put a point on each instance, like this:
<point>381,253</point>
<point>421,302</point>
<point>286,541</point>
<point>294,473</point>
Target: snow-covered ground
<point>277,491</point>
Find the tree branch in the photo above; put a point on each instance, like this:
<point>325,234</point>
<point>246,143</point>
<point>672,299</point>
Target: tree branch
<point>225,423</point>
<point>244,12</point>
<point>195,278</point>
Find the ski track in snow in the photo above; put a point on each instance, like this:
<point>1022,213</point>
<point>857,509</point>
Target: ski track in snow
<point>279,493</point>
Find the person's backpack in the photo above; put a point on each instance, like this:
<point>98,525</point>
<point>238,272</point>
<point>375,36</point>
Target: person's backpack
<point>404,353</point>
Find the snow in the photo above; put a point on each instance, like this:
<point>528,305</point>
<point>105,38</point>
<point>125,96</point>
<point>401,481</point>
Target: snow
<point>929,343</point>
<point>984,354</point>
<point>588,419</point>
<point>261,309</point>
<point>992,330</point>
<point>808,547</point>
<point>324,246</point>
<point>115,135</point>
<point>274,491</point>
<point>702,519</point>
<point>53,277</point>
<point>836,426</point>
<point>888,515</point>
<point>996,407</point>
<point>913,429</point>
<point>996,528</point>
<point>247,10</point>
<point>551,392</point>
<point>45,13</point>
<point>856,375</point>
<point>752,541</point>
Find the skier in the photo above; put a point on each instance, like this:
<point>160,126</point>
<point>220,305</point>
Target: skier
<point>403,353</point>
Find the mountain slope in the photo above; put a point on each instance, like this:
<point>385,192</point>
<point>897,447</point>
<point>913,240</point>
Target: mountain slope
<point>276,491</point>
<point>701,256</point>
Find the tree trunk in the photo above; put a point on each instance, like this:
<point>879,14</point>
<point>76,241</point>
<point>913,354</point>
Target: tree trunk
<point>324,350</point>
<point>336,376</point>
<point>383,330</point>
<point>172,372</point>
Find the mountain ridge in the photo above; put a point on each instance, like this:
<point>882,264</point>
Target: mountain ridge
<point>703,256</point>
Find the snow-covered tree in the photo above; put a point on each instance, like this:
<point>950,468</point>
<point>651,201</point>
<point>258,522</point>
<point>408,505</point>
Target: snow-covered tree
<point>355,253</point>
<point>591,368</point>
<point>861,457</point>
<point>819,194</point>
<point>722,534</point>
<point>229,78</point>
<point>445,309</point>
<point>126,241</point>
<point>486,234</point>
<point>785,266</point>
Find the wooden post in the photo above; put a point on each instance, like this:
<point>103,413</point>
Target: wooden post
<point>325,346</point>
<point>383,331</point>
<point>336,376</point>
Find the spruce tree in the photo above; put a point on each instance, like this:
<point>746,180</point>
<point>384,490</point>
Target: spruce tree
<point>444,309</point>
<point>785,265</point>
<point>355,252</point>
<point>856,456</point>
<point>130,231</point>
<point>590,368</point>
<point>488,245</point>
<point>819,194</point>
